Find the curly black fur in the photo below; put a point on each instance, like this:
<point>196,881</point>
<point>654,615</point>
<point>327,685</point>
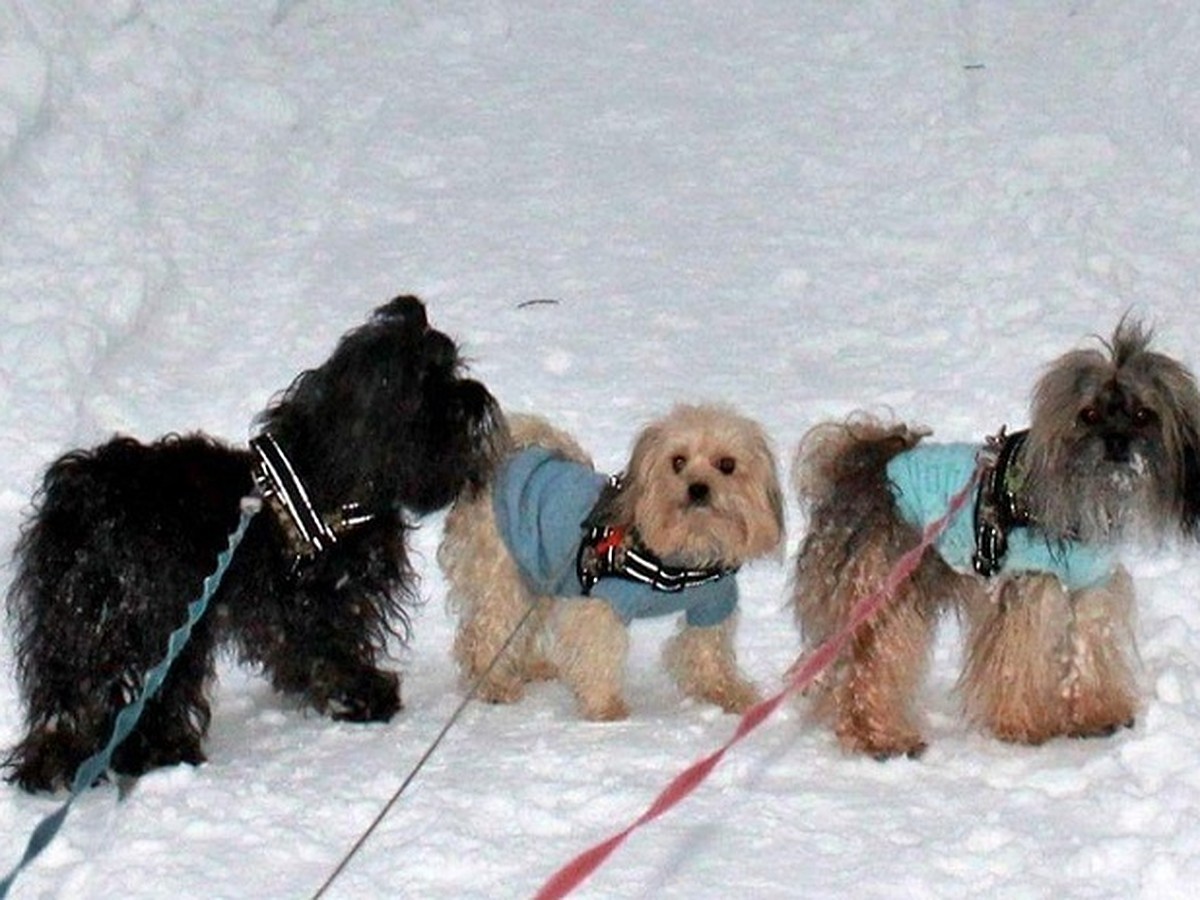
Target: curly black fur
<point>123,535</point>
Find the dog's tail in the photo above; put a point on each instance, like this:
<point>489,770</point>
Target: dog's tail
<point>836,456</point>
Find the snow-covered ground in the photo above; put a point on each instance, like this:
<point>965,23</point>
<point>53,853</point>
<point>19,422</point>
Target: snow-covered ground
<point>801,209</point>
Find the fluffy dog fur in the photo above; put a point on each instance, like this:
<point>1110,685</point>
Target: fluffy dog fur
<point>701,489</point>
<point>1112,450</point>
<point>123,535</point>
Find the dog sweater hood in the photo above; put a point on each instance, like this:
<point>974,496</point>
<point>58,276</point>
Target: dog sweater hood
<point>541,502</point>
<point>924,479</point>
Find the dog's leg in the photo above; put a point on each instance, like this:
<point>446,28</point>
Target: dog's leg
<point>72,717</point>
<point>353,690</point>
<point>703,663</point>
<point>590,646</point>
<point>1101,687</point>
<point>68,720</point>
<point>327,659</point>
<point>482,632</point>
<point>1014,681</point>
<point>69,716</point>
<point>319,637</point>
<point>86,641</point>
<point>336,676</point>
<point>873,701</point>
<point>174,722</point>
<point>870,693</point>
<point>490,598</point>
<point>537,664</point>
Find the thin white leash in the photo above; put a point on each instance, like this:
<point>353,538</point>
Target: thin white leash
<point>425,757</point>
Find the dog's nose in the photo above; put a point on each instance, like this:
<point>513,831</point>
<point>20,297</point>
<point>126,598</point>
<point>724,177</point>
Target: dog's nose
<point>1116,447</point>
<point>698,493</point>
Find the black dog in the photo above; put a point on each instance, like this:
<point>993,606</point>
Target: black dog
<point>123,536</point>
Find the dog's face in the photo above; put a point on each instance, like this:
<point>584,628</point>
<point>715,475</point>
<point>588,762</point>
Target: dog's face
<point>702,488</point>
<point>390,419</point>
<point>1114,441</point>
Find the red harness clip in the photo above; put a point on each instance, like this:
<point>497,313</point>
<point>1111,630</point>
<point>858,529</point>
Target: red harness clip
<point>610,541</point>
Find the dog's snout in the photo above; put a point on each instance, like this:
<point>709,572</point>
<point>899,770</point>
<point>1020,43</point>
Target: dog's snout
<point>698,493</point>
<point>1117,447</point>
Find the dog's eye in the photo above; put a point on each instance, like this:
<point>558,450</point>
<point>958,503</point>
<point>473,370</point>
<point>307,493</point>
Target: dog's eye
<point>1089,415</point>
<point>1144,416</point>
<point>726,465</point>
<point>677,463</point>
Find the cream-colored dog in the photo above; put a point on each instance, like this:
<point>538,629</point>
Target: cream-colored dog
<point>590,553</point>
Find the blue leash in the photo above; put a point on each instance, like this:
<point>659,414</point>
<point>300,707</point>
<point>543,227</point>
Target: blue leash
<point>97,764</point>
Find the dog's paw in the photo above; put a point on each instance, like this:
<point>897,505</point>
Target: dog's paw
<point>1099,715</point>
<point>915,752</point>
<point>883,746</point>
<point>140,753</point>
<point>368,695</point>
<point>540,670</point>
<point>45,761</point>
<point>734,698</point>
<point>1100,729</point>
<point>500,691</point>
<point>603,709</point>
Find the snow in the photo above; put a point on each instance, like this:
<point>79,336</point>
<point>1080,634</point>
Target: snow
<point>801,209</point>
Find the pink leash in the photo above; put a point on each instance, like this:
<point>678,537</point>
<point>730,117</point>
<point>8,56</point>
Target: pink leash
<point>799,676</point>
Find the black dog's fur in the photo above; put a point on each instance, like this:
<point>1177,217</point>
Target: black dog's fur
<point>123,536</point>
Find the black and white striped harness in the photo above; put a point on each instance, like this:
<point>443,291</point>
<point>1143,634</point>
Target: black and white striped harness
<point>308,532</point>
<point>609,551</point>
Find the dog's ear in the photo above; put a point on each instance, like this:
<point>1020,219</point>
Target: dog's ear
<point>1189,511</point>
<point>775,499</point>
<point>403,310</point>
<point>1175,396</point>
<point>637,477</point>
<point>772,485</point>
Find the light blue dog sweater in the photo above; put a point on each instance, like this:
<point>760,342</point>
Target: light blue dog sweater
<point>541,502</point>
<point>925,478</point>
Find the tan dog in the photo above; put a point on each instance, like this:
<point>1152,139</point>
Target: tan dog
<point>1112,448</point>
<point>583,555</point>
